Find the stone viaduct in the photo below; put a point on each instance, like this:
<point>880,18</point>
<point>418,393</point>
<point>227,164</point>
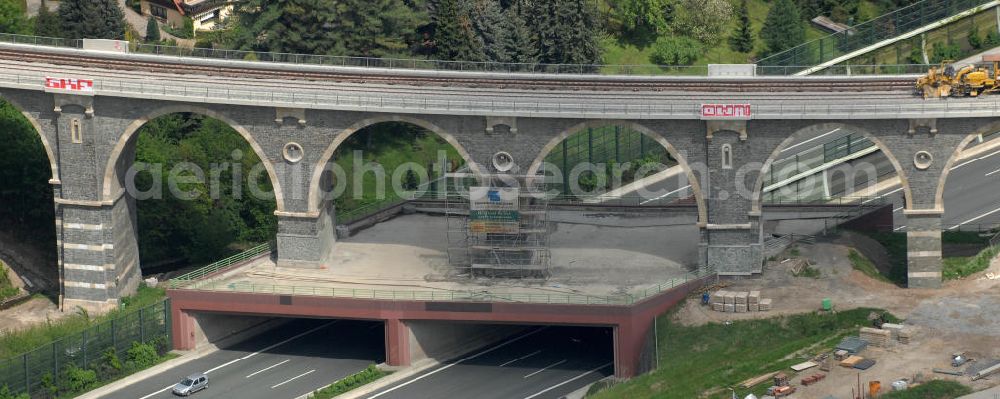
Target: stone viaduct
<point>90,140</point>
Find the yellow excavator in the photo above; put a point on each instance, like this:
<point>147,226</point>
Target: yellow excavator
<point>970,80</point>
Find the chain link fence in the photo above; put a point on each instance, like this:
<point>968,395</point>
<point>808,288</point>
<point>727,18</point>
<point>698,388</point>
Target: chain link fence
<point>38,370</point>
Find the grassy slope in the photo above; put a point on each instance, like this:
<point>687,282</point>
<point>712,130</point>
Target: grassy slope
<point>616,53</point>
<point>708,358</point>
<point>20,341</point>
<point>422,151</point>
<point>954,267</point>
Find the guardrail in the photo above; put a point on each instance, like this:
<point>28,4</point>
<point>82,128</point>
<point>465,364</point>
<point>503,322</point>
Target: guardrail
<point>461,66</point>
<point>197,281</point>
<point>217,266</point>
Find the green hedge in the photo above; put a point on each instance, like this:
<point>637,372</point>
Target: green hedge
<point>937,389</point>
<point>369,374</point>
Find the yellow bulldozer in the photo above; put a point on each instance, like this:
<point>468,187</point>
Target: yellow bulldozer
<point>970,80</point>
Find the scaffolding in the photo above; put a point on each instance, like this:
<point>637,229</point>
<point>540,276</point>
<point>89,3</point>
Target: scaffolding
<point>498,227</point>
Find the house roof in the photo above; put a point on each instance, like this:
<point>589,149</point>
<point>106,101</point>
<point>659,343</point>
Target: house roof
<point>191,7</point>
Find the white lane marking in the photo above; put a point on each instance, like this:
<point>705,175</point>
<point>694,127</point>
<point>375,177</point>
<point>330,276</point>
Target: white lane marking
<point>245,357</point>
<point>995,171</point>
<point>456,362</point>
<point>521,358</point>
<point>268,368</point>
<point>567,381</point>
<point>546,368</point>
<point>665,195</point>
<point>814,138</point>
<point>975,218</point>
<point>157,392</point>
<point>294,378</point>
<point>974,160</point>
<point>897,209</point>
<point>882,196</point>
<point>899,228</point>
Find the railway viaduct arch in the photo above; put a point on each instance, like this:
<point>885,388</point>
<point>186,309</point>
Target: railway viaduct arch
<point>89,136</point>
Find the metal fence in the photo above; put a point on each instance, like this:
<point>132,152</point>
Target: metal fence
<point>887,26</point>
<point>28,372</point>
<point>466,66</point>
<point>215,267</point>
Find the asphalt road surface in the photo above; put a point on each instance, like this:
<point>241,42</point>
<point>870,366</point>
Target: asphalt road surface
<point>544,362</point>
<point>280,364</point>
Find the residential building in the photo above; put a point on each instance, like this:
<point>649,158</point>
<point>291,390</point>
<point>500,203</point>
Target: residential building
<point>206,14</point>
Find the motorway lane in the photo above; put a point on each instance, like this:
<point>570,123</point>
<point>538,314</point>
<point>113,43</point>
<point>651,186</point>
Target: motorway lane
<point>284,363</point>
<point>547,362</point>
<point>972,192</point>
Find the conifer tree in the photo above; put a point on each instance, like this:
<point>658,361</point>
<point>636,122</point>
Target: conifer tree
<point>783,27</point>
<point>152,30</point>
<point>47,22</point>
<point>489,25</point>
<point>518,41</point>
<point>92,19</point>
<point>454,36</point>
<point>742,39</point>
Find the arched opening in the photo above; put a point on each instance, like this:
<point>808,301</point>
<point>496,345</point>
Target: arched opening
<point>966,191</point>
<point>830,177</point>
<point>28,260</point>
<point>193,188</point>
<point>386,162</point>
<point>619,191</point>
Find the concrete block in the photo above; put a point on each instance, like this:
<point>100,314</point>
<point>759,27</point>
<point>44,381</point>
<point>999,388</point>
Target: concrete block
<point>765,304</point>
<point>729,308</point>
<point>741,307</point>
<point>730,298</point>
<point>718,307</point>
<point>753,297</point>
<point>753,307</point>
<point>741,298</point>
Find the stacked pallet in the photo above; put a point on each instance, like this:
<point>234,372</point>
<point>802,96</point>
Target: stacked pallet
<point>899,332</point>
<point>738,301</point>
<point>719,301</point>
<point>876,337</point>
<point>753,301</point>
<point>904,335</point>
<point>741,302</point>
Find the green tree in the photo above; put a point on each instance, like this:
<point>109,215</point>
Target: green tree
<point>783,27</point>
<point>742,39</point>
<point>650,14</point>
<point>92,19</point>
<point>705,20</point>
<point>566,31</point>
<point>350,27</point>
<point>152,30</point>
<point>945,52</point>
<point>488,23</point>
<point>455,37</point>
<point>518,41</point>
<point>12,19</point>
<point>675,51</point>
<point>47,22</point>
<point>25,171</point>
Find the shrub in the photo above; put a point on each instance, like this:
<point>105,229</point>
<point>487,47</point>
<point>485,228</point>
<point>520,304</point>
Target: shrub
<point>110,361</point>
<point>141,355</point>
<point>942,52</point>
<point>974,39</point>
<point>992,39</point>
<point>6,394</point>
<point>79,379</point>
<point>675,51</point>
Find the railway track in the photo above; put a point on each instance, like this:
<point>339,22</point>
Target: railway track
<point>791,85</point>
